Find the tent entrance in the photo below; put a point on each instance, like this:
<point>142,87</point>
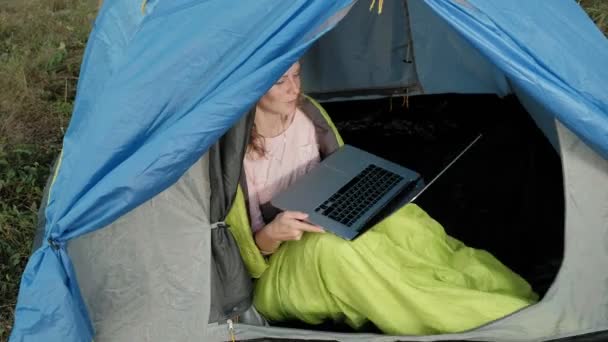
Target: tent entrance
<point>505,195</point>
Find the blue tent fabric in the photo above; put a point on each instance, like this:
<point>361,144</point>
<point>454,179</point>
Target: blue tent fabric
<point>544,50</point>
<point>157,89</point>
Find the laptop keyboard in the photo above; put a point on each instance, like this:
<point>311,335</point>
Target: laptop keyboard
<point>353,200</point>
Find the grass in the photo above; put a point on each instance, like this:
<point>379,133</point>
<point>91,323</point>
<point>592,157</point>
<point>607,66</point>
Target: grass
<point>41,46</point>
<point>598,11</point>
<point>24,171</point>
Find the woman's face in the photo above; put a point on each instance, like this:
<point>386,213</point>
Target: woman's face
<point>283,97</point>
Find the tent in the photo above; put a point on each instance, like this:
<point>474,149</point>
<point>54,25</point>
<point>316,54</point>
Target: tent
<point>145,176</point>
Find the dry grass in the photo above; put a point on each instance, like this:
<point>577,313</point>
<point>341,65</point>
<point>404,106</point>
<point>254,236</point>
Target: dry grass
<point>41,45</point>
<point>598,11</point>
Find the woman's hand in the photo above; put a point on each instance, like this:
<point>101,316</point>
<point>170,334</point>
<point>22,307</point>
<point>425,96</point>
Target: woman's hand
<point>286,226</point>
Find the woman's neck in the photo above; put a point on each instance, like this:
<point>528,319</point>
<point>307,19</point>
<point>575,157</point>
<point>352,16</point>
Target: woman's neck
<point>270,125</point>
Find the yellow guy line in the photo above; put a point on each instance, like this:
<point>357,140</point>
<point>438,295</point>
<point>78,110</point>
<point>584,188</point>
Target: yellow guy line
<point>380,3</point>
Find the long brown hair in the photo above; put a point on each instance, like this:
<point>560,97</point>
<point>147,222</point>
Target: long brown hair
<point>256,147</point>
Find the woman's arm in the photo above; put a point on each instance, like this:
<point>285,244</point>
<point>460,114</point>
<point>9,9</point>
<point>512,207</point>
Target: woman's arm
<point>266,244</point>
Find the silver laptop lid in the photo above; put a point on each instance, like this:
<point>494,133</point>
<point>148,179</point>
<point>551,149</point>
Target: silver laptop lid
<point>322,189</point>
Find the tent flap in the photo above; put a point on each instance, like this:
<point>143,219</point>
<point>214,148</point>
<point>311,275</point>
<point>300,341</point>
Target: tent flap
<point>132,136</point>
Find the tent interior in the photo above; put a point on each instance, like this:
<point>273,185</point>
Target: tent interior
<point>412,90</point>
<point>505,195</point>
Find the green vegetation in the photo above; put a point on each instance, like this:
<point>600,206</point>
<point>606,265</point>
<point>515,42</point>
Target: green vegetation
<point>598,11</point>
<point>24,170</point>
<point>41,46</point>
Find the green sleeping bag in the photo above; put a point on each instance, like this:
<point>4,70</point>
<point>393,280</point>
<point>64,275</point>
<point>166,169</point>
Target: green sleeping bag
<point>405,275</point>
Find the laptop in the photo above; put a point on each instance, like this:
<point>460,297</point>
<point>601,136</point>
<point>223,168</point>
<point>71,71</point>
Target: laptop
<point>352,190</point>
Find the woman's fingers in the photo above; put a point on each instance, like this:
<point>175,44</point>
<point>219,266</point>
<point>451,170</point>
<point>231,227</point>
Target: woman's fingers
<point>298,215</point>
<point>297,234</point>
<point>309,227</point>
<point>292,226</point>
<point>302,226</point>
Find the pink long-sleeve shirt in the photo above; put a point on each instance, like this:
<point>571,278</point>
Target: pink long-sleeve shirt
<point>288,156</point>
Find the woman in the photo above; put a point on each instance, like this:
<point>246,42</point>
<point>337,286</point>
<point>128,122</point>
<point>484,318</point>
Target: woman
<point>405,275</point>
